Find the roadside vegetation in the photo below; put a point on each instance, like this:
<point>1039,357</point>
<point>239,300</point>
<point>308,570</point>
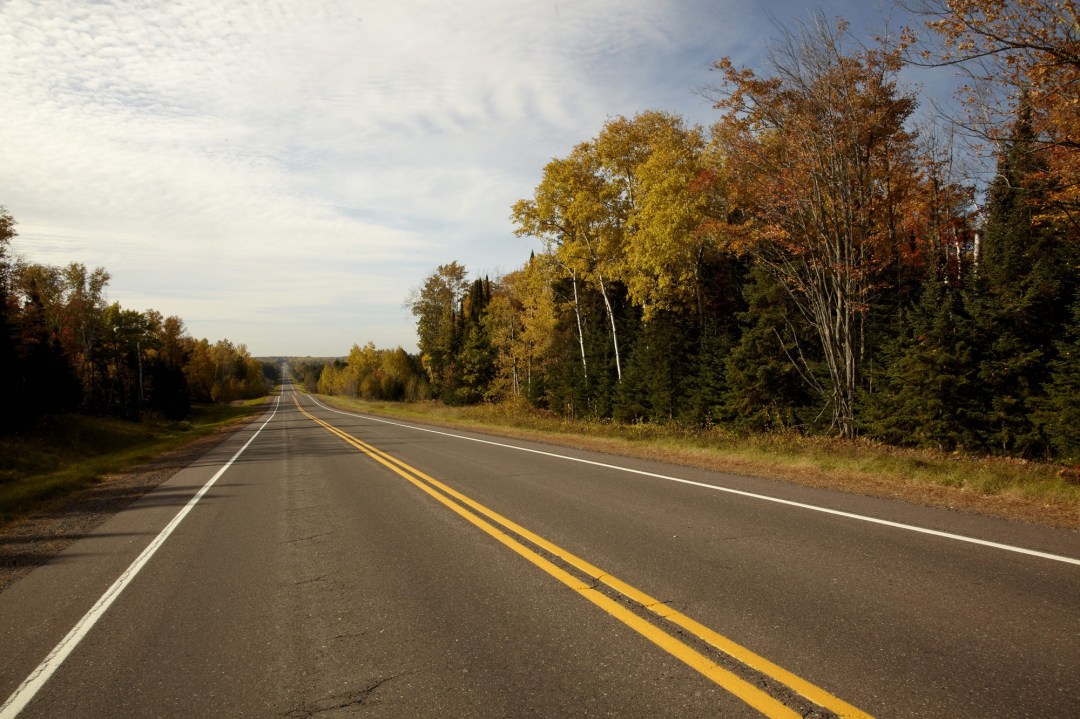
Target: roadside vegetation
<point>55,455</point>
<point>1038,492</point>
<point>817,286</point>
<point>91,387</point>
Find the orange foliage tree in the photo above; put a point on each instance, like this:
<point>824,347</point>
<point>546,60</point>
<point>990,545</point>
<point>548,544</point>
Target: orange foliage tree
<point>825,173</point>
<point>1022,56</point>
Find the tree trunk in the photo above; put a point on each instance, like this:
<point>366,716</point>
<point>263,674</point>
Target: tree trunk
<point>614,333</point>
<point>580,331</point>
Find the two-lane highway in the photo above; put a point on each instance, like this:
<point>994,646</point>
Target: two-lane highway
<point>322,563</point>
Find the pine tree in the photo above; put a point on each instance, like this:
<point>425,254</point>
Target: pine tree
<point>659,370</point>
<point>1060,412</point>
<point>768,370</point>
<point>928,394</point>
<point>1026,282</point>
<point>474,361</point>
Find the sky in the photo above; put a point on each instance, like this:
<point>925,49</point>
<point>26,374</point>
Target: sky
<point>282,174</point>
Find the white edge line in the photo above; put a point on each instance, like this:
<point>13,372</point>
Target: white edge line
<point>777,500</point>
<point>33,683</point>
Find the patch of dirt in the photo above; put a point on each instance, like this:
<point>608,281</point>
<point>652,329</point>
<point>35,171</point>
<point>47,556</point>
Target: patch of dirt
<point>31,541</point>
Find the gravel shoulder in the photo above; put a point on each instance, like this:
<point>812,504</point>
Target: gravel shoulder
<point>31,541</point>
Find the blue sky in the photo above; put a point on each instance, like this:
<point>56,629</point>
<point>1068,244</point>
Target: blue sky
<point>282,173</point>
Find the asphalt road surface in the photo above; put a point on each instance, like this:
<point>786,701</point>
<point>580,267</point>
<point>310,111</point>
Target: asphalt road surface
<point>325,564</point>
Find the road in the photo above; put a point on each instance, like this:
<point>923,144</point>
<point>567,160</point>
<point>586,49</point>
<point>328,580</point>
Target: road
<point>341,565</point>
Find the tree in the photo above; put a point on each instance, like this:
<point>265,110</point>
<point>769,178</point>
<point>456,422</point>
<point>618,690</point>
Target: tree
<point>670,195</point>
<point>772,371</point>
<point>580,215</point>
<point>929,394</point>
<point>822,165</point>
<point>435,305</point>
<point>474,358</point>
<point>520,322</point>
<point>82,333</point>
<point>1018,54</point>
<point>128,334</point>
<point>10,367</point>
<point>1027,279</point>
<point>48,383</point>
<point>1059,414</point>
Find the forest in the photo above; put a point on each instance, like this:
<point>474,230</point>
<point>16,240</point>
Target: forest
<point>64,348</point>
<point>815,261</point>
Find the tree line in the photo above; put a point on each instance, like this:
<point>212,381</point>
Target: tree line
<point>810,262</point>
<point>64,348</point>
<point>366,373</point>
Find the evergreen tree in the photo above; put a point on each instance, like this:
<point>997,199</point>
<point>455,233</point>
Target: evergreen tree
<point>929,394</point>
<point>1026,282</point>
<point>659,371</point>
<point>719,306</point>
<point>439,324</point>
<point>474,360</point>
<point>769,371</point>
<point>1060,412</point>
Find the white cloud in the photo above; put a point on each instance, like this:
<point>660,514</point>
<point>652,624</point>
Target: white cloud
<point>281,173</point>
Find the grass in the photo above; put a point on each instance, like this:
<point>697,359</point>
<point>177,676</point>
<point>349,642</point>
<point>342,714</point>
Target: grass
<point>1038,492</point>
<point>59,454</point>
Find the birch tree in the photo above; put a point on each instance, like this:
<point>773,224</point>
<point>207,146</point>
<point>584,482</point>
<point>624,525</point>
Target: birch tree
<point>670,196</point>
<point>520,321</point>
<point>578,214</point>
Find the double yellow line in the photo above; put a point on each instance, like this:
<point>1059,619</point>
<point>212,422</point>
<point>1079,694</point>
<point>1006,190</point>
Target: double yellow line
<point>746,691</point>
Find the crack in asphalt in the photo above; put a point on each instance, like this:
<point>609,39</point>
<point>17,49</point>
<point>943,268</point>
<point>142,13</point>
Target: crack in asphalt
<point>338,701</point>
<point>311,536</point>
<point>352,635</point>
<point>313,579</point>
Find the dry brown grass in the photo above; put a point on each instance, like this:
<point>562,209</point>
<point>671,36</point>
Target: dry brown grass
<point>1036,492</point>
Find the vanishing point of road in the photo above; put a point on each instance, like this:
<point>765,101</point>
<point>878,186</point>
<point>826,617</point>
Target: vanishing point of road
<point>321,563</point>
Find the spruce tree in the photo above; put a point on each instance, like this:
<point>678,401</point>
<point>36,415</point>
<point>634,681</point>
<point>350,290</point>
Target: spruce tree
<point>770,380</point>
<point>1060,411</point>
<point>928,394</point>
<point>659,370</point>
<point>1026,280</point>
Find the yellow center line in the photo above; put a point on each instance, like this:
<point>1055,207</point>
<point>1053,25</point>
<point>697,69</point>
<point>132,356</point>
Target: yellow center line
<point>750,694</point>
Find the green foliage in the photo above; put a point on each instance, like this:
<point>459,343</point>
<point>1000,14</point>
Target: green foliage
<point>767,385</point>
<point>660,371</point>
<point>1033,488</point>
<point>1059,414</point>
<point>1027,282</point>
<point>803,268</point>
<point>437,308</point>
<point>929,394</point>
